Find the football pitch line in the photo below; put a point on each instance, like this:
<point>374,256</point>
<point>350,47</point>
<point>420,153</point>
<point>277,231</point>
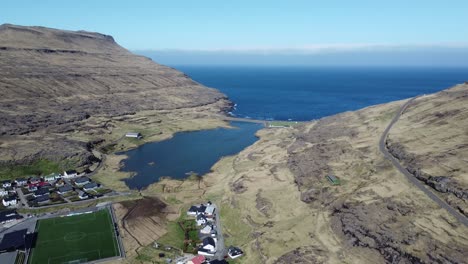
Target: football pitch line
<point>65,240</point>
<point>114,235</point>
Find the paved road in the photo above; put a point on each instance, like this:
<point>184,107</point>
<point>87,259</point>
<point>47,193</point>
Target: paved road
<point>220,247</point>
<point>239,119</point>
<point>383,148</point>
<point>23,199</point>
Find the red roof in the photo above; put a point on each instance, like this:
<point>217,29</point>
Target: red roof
<point>198,259</point>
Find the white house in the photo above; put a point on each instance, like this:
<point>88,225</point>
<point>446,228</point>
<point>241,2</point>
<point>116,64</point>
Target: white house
<point>9,201</point>
<point>235,252</point>
<point>133,135</point>
<point>201,220</point>
<point>209,211</point>
<point>6,184</point>
<point>206,230</point>
<point>70,174</point>
<point>21,182</point>
<point>3,192</point>
<point>52,177</point>
<point>208,247</point>
<point>82,195</point>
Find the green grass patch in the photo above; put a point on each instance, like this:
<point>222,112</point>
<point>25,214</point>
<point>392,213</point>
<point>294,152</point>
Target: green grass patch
<point>174,237</point>
<point>238,232</point>
<point>85,237</point>
<point>39,167</point>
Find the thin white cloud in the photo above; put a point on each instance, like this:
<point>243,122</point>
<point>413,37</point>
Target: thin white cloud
<point>324,48</point>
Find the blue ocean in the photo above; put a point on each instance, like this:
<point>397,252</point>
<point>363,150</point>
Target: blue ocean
<point>305,93</point>
<point>279,93</point>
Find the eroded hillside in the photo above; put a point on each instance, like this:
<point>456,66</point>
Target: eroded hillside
<point>62,90</point>
<point>431,140</point>
<point>278,205</point>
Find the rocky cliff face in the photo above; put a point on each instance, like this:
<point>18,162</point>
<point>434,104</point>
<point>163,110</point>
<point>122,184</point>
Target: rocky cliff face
<point>52,81</point>
<point>431,140</point>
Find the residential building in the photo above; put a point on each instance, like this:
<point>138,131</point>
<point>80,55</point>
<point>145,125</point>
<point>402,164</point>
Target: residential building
<point>21,182</point>
<point>70,174</point>
<point>41,192</point>
<point>43,199</point>
<point>196,209</point>
<point>197,260</point>
<point>65,189</point>
<point>133,135</point>
<point>235,252</point>
<point>201,220</point>
<point>209,211</point>
<point>206,230</point>
<point>82,195</point>
<point>9,216</point>
<point>34,180</point>
<point>14,240</point>
<point>9,200</point>
<point>52,177</point>
<point>6,183</point>
<point>82,180</point>
<point>90,186</point>
<point>208,247</point>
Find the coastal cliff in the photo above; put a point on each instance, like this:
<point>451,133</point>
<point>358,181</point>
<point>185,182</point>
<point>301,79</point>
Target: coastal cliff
<point>65,92</point>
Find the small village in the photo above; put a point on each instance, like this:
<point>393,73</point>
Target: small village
<point>34,191</point>
<point>211,249</point>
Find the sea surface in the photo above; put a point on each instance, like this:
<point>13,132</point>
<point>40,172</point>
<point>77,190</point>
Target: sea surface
<point>276,93</point>
<point>186,152</point>
<point>305,92</point>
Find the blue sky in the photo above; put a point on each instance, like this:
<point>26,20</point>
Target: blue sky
<point>267,28</point>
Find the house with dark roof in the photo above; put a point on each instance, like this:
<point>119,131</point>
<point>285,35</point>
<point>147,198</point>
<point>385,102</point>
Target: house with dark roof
<point>201,220</point>
<point>41,192</point>
<point>90,186</point>
<point>196,209</point>
<point>9,216</point>
<point>10,200</point>
<point>21,181</point>
<point>65,189</point>
<point>82,181</point>
<point>235,252</point>
<point>5,183</point>
<point>208,247</point>
<point>34,180</point>
<point>42,199</point>
<point>14,240</point>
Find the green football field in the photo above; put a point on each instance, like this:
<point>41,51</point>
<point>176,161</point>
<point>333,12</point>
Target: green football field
<point>75,239</point>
